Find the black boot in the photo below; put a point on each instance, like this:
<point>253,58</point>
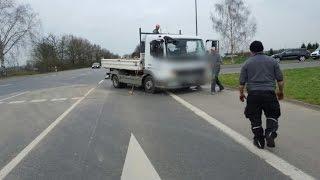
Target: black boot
<point>259,142</point>
<point>270,139</point>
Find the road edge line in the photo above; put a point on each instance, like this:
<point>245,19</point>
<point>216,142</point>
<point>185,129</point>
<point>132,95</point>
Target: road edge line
<point>270,158</point>
<point>19,157</point>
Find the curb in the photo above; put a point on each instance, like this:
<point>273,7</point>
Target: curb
<point>307,105</point>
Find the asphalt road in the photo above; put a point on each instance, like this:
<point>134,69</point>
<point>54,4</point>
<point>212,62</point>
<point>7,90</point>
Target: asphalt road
<point>74,125</point>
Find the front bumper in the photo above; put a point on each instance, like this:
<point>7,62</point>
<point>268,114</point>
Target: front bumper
<point>315,55</point>
<point>180,83</point>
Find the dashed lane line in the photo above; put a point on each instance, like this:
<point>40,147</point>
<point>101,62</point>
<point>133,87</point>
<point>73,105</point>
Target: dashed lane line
<point>59,99</point>
<point>275,161</point>
<point>16,102</point>
<point>76,98</point>
<point>5,85</point>
<point>101,82</point>
<point>38,100</point>
<point>17,159</point>
<point>14,96</point>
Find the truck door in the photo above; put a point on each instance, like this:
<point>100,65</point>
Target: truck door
<point>156,54</point>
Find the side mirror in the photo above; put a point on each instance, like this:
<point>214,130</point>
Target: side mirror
<point>212,44</point>
<point>169,40</point>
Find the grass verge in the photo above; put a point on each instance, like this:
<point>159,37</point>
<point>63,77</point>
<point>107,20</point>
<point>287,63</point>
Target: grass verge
<point>22,73</point>
<point>300,84</point>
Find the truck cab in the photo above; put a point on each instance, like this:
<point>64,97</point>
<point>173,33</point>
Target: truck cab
<point>175,61</point>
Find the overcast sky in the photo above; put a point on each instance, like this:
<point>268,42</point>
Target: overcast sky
<point>114,24</point>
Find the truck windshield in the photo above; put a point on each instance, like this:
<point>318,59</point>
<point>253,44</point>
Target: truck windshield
<point>185,49</point>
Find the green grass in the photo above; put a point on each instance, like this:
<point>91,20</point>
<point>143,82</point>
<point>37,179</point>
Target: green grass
<point>21,73</point>
<point>300,84</point>
<point>237,60</point>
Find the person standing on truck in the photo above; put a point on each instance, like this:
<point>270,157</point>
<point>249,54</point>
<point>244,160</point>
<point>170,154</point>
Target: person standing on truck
<point>215,61</point>
<point>259,74</point>
<point>157,29</point>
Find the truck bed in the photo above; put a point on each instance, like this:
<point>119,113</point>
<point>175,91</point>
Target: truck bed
<point>125,64</point>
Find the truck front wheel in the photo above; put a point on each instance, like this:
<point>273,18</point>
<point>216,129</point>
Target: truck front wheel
<point>149,85</point>
<point>116,83</point>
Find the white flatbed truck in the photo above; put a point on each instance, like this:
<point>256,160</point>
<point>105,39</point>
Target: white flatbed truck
<point>166,62</point>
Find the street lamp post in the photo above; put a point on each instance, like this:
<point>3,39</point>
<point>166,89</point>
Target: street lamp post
<point>196,9</point>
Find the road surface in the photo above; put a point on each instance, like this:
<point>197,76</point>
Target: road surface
<point>75,125</point>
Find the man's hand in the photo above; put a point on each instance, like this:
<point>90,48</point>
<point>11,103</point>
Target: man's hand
<point>280,95</point>
<point>242,97</point>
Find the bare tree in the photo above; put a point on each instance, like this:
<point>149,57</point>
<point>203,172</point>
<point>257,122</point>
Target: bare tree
<point>66,52</point>
<point>232,20</point>
<point>18,23</point>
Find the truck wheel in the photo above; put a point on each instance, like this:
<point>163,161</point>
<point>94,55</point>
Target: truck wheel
<point>149,85</point>
<point>116,83</point>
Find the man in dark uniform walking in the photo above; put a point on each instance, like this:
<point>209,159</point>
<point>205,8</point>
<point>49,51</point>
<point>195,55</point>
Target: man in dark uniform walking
<point>259,75</point>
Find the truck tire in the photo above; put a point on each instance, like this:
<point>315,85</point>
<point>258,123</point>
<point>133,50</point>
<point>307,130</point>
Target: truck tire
<point>116,83</point>
<point>149,85</point>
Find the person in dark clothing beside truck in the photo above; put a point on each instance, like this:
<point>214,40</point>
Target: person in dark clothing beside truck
<point>215,62</point>
<point>259,75</point>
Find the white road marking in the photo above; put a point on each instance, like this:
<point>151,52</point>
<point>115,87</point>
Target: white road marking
<point>272,159</point>
<point>38,100</point>
<point>16,102</point>
<point>137,165</point>
<point>14,96</point>
<point>101,82</point>
<point>59,99</point>
<point>16,160</point>
<point>5,85</point>
<point>76,98</point>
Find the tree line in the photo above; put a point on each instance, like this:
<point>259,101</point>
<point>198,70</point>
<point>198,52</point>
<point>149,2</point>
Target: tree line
<point>310,46</point>
<point>19,25</point>
<point>65,52</point>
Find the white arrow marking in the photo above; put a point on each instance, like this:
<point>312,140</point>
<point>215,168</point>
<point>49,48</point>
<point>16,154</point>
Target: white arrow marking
<point>137,165</point>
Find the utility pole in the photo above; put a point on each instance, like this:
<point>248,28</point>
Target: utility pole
<point>196,9</point>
